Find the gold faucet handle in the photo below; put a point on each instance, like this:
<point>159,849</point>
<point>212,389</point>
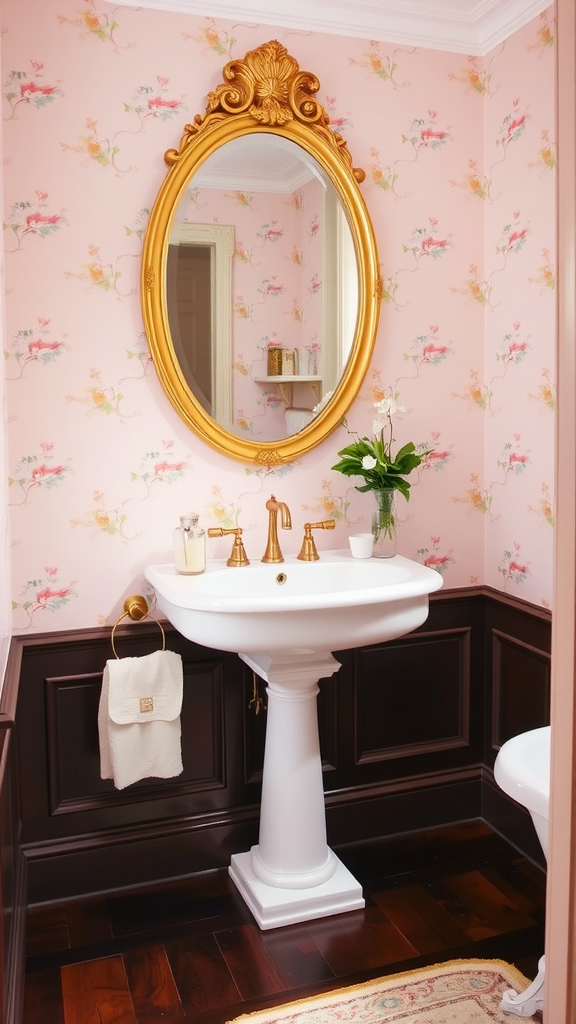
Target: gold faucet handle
<point>308,552</point>
<point>238,556</point>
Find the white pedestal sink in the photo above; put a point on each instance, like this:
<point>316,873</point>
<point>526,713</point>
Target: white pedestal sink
<point>284,620</point>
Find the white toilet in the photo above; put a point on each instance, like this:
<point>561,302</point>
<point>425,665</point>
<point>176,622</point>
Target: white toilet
<point>522,770</point>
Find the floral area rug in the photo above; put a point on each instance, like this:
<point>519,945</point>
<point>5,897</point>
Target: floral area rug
<point>458,992</point>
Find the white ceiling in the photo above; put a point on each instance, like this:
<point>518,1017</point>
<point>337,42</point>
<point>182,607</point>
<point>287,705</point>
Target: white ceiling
<point>461,26</point>
<point>257,163</point>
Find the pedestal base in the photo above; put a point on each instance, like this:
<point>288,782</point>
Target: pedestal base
<point>274,908</point>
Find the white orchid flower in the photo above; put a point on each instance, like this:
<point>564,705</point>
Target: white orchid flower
<point>388,407</point>
<point>369,462</point>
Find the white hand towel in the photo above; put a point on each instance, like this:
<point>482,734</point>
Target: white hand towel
<point>139,718</point>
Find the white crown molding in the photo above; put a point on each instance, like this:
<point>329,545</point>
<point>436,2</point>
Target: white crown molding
<point>247,181</point>
<point>503,19</point>
<point>460,26</point>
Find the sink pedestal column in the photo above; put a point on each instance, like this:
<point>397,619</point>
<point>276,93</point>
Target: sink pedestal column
<point>292,875</point>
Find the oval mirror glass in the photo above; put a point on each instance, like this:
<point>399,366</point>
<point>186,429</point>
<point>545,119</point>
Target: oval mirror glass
<point>261,270</point>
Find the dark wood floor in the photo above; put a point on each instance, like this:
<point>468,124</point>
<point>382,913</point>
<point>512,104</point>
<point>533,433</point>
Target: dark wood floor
<point>192,949</point>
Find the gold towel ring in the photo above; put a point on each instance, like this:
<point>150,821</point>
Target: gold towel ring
<point>136,607</point>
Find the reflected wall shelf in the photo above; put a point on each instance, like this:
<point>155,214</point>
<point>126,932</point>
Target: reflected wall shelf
<point>285,382</point>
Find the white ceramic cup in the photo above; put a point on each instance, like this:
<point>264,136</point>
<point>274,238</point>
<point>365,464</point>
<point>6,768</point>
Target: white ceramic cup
<point>361,545</point>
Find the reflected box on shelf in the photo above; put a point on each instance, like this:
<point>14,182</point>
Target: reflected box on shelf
<point>274,362</point>
<point>289,362</point>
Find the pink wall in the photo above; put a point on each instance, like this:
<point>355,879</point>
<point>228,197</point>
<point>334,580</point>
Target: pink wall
<point>517,381</point>
<point>459,155</point>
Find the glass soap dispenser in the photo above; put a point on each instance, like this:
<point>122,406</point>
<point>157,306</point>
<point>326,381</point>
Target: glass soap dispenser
<point>189,546</point>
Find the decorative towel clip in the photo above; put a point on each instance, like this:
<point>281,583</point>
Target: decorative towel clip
<point>136,607</point>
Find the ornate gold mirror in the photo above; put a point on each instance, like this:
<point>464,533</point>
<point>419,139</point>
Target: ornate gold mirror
<point>260,284</point>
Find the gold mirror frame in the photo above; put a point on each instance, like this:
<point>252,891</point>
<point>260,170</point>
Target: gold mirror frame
<point>264,92</point>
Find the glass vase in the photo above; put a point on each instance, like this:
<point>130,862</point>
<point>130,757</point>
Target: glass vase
<point>384,523</point>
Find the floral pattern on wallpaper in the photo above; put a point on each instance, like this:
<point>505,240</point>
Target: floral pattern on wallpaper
<point>109,275</point>
<point>32,345</point>
<point>93,21</point>
<point>37,470</point>
<point>460,160</point>
<point>163,467</point>
<point>39,596</point>
<point>386,66</point>
<point>31,218</point>
<point>424,133</point>
<point>150,101</point>
<point>31,87</point>
<point>424,243</point>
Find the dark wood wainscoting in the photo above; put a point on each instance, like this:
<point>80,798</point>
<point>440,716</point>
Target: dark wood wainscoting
<point>409,731</point>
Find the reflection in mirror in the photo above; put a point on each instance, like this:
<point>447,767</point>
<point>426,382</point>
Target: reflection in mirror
<point>199,301</point>
<point>261,286</point>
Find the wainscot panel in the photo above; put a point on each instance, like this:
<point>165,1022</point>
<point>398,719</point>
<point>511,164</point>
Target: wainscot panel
<point>518,643</point>
<point>407,728</point>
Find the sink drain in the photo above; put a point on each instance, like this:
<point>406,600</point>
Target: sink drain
<point>281,578</point>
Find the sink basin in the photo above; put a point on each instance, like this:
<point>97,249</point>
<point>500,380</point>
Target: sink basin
<point>336,603</point>
<point>284,620</point>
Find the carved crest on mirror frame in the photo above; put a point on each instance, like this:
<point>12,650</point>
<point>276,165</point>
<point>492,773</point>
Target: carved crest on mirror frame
<point>269,86</point>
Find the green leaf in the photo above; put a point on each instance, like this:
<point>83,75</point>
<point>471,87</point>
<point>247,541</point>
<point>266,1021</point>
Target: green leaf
<point>348,467</point>
<point>404,487</point>
<point>359,449</point>
<point>405,450</point>
<point>407,464</point>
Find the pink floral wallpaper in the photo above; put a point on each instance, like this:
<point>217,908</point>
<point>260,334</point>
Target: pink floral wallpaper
<point>460,161</point>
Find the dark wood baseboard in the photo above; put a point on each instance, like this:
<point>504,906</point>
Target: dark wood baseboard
<point>122,859</point>
<point>510,820</point>
<point>403,806</point>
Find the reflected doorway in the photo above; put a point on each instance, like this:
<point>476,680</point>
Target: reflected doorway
<point>190,308</point>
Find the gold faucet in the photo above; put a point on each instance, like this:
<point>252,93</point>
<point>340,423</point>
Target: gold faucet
<point>273,552</point>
